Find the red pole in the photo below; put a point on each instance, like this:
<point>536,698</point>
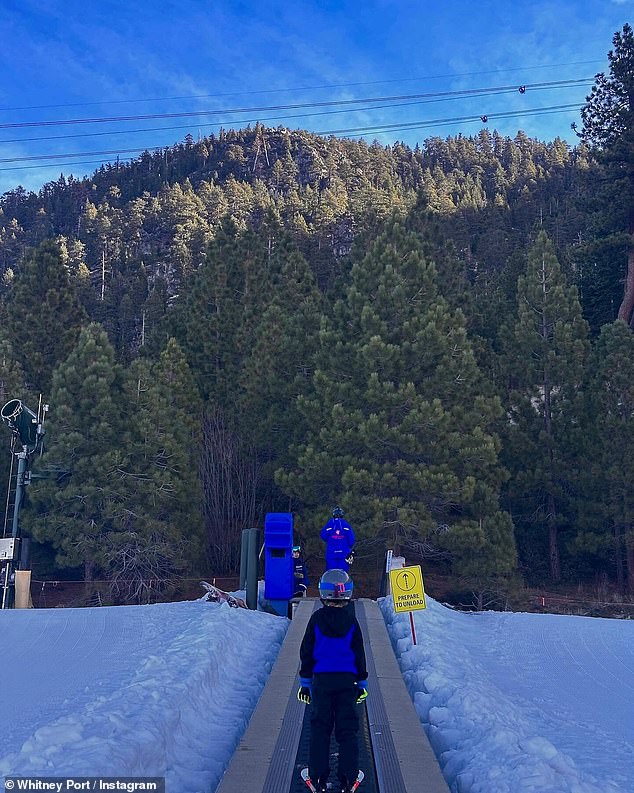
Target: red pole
<point>411,622</point>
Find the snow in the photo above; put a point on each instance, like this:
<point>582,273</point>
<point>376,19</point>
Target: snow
<point>147,691</point>
<point>512,703</point>
<point>522,703</point>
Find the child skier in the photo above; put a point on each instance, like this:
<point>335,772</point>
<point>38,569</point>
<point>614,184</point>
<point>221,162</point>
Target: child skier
<point>300,576</point>
<point>333,677</point>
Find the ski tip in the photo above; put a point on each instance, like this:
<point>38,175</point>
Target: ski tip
<point>307,780</point>
<point>305,776</point>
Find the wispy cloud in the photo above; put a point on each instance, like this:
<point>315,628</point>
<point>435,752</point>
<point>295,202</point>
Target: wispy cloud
<point>72,51</point>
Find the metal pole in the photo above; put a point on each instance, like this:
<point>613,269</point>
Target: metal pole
<point>5,587</point>
<point>244,547</point>
<point>8,592</point>
<point>19,487</point>
<point>25,554</point>
<point>411,622</point>
<point>384,587</point>
<point>252,569</point>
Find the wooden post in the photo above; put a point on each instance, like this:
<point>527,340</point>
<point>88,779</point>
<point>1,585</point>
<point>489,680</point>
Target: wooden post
<point>23,589</point>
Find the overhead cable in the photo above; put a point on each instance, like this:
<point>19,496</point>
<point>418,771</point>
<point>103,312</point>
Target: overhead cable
<point>298,106</point>
<point>421,124</point>
<point>242,122</point>
<point>357,84</point>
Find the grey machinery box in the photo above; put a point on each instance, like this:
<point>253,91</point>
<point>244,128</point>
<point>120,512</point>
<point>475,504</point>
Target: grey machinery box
<point>9,549</point>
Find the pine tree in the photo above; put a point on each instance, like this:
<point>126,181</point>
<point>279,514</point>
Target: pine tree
<point>77,512</point>
<point>608,126</point>
<point>279,364</point>
<point>43,315</point>
<point>546,358</point>
<point>401,432</point>
<point>218,327</point>
<point>614,416</point>
<point>214,323</point>
<point>162,534</point>
<point>12,386</point>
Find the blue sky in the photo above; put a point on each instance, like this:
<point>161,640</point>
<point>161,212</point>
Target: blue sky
<point>65,59</point>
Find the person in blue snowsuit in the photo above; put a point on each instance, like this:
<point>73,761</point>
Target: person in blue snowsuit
<point>339,538</point>
<point>300,576</point>
<point>333,678</point>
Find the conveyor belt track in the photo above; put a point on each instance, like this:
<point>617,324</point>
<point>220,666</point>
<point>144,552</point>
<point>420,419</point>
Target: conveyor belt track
<point>394,752</point>
<point>366,761</point>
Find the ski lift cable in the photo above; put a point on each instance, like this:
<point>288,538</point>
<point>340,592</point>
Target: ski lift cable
<point>330,86</point>
<point>298,106</point>
<point>406,126</point>
<point>253,120</point>
<point>399,125</point>
<point>458,119</point>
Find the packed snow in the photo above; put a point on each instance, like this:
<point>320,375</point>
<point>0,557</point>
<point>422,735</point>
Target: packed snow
<point>522,703</point>
<point>139,691</point>
<point>512,703</point>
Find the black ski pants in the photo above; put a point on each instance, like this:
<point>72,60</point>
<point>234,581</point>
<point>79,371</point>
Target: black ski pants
<point>333,703</point>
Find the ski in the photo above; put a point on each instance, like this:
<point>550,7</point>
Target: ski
<point>308,780</point>
<point>215,595</point>
<point>357,781</point>
<point>313,789</point>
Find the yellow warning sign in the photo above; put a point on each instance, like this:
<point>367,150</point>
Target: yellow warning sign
<point>407,588</point>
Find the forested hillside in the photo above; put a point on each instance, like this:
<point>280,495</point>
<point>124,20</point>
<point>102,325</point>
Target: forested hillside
<point>270,320</point>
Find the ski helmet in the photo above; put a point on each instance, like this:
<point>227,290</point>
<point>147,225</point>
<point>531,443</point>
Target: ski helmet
<point>337,512</point>
<point>335,585</point>
<point>296,549</point>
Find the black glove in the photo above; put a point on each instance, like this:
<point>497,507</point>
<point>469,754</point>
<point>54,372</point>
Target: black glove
<point>350,557</point>
<point>305,690</point>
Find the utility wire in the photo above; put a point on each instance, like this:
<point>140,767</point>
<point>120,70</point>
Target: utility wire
<point>304,88</point>
<point>357,130</point>
<point>458,119</point>
<point>298,106</point>
<point>242,122</point>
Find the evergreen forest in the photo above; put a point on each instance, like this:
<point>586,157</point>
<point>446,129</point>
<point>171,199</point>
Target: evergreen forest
<point>439,339</point>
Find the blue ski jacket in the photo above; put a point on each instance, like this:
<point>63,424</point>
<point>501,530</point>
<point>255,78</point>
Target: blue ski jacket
<point>333,642</point>
<point>339,538</point>
<point>300,576</point>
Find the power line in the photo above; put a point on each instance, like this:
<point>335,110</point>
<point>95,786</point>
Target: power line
<point>55,165</point>
<point>404,126</point>
<point>80,154</point>
<point>235,122</point>
<point>381,128</point>
<point>298,106</point>
<point>302,88</point>
<point>410,125</point>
